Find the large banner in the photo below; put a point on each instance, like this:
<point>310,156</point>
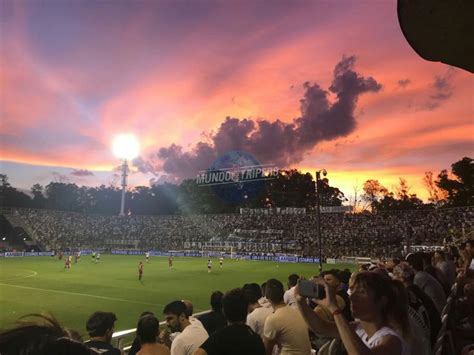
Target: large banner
<point>336,209</point>
<point>257,231</point>
<point>272,211</point>
<point>428,248</point>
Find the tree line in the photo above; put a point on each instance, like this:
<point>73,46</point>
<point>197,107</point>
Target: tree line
<point>290,188</point>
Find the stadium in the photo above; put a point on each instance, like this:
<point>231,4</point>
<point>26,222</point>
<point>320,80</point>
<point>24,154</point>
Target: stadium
<point>236,177</point>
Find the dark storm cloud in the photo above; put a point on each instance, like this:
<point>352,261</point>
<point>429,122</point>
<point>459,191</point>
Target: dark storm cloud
<point>144,166</point>
<point>279,142</point>
<point>442,90</point>
<point>181,164</point>
<point>82,172</point>
<point>403,83</point>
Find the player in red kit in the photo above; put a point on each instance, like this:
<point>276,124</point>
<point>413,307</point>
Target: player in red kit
<point>140,270</point>
<point>170,261</point>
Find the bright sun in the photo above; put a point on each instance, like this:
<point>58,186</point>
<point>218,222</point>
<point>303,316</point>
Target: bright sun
<point>125,146</point>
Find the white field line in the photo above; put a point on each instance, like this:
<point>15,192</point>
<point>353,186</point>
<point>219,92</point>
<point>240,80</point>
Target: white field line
<point>33,273</point>
<point>74,293</point>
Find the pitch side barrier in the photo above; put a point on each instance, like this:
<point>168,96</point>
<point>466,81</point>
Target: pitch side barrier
<point>17,254</point>
<point>277,258</point>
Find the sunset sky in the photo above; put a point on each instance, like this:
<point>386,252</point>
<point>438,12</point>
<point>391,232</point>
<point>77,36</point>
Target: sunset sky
<point>307,84</point>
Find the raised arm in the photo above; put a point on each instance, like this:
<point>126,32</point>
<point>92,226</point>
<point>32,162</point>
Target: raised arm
<point>313,321</point>
<point>342,329</point>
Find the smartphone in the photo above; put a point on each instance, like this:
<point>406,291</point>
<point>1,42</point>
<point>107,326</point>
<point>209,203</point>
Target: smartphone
<point>311,289</point>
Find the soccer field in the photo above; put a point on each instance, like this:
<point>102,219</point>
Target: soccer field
<point>38,284</point>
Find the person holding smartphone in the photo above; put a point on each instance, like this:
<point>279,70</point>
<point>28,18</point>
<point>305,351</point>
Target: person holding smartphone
<point>380,313</point>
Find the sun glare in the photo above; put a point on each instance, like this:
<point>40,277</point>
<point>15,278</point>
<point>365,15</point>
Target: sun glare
<point>125,146</point>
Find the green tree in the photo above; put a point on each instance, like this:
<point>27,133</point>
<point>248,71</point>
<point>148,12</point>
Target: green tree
<point>374,191</point>
<point>63,196</point>
<point>39,201</point>
<point>460,189</point>
<point>11,197</point>
<point>291,188</point>
<point>193,198</point>
<point>383,200</point>
<point>436,195</point>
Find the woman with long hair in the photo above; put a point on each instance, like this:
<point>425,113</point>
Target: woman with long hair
<point>41,334</point>
<point>379,307</point>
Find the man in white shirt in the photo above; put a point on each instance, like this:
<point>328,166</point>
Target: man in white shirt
<point>446,266</point>
<point>285,327</point>
<point>192,334</point>
<point>289,296</point>
<point>427,283</point>
<point>257,314</point>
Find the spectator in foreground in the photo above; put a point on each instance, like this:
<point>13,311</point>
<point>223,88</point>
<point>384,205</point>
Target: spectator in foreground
<point>426,282</point>
<point>192,334</point>
<point>418,300</point>
<point>257,313</point>
<point>236,338</point>
<point>469,259</point>
<point>147,331</point>
<point>42,336</point>
<point>374,302</point>
<point>333,279</point>
<point>446,266</point>
<point>100,327</point>
<point>136,342</point>
<point>190,312</point>
<point>289,295</point>
<point>215,319</point>
<point>285,327</point>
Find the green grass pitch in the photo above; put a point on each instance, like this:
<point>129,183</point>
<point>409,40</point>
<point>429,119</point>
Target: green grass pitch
<point>38,284</point>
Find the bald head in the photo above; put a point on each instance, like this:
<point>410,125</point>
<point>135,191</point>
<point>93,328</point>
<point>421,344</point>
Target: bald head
<point>189,307</point>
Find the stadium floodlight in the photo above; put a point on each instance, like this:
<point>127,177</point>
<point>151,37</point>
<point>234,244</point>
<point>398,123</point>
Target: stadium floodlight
<point>318,215</point>
<point>125,147</point>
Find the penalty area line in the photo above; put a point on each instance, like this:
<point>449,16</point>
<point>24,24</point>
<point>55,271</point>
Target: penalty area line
<point>78,294</point>
<point>33,273</point>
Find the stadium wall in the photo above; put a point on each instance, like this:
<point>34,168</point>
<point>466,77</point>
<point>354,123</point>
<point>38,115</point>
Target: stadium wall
<point>277,258</point>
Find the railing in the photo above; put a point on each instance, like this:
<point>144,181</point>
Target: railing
<point>118,338</point>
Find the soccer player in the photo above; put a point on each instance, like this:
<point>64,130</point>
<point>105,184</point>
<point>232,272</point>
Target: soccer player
<point>170,261</point>
<point>147,256</point>
<point>93,256</point>
<point>209,265</point>
<point>97,258</point>
<point>140,270</point>
<point>67,262</point>
<point>221,261</point>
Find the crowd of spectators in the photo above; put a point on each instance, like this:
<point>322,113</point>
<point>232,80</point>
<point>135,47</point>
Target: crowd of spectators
<point>392,306</point>
<point>370,235</point>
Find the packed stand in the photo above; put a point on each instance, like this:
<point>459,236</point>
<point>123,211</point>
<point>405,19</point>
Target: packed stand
<point>375,235</point>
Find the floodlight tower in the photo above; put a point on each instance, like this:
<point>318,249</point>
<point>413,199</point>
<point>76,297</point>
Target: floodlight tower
<point>318,215</point>
<point>125,148</point>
